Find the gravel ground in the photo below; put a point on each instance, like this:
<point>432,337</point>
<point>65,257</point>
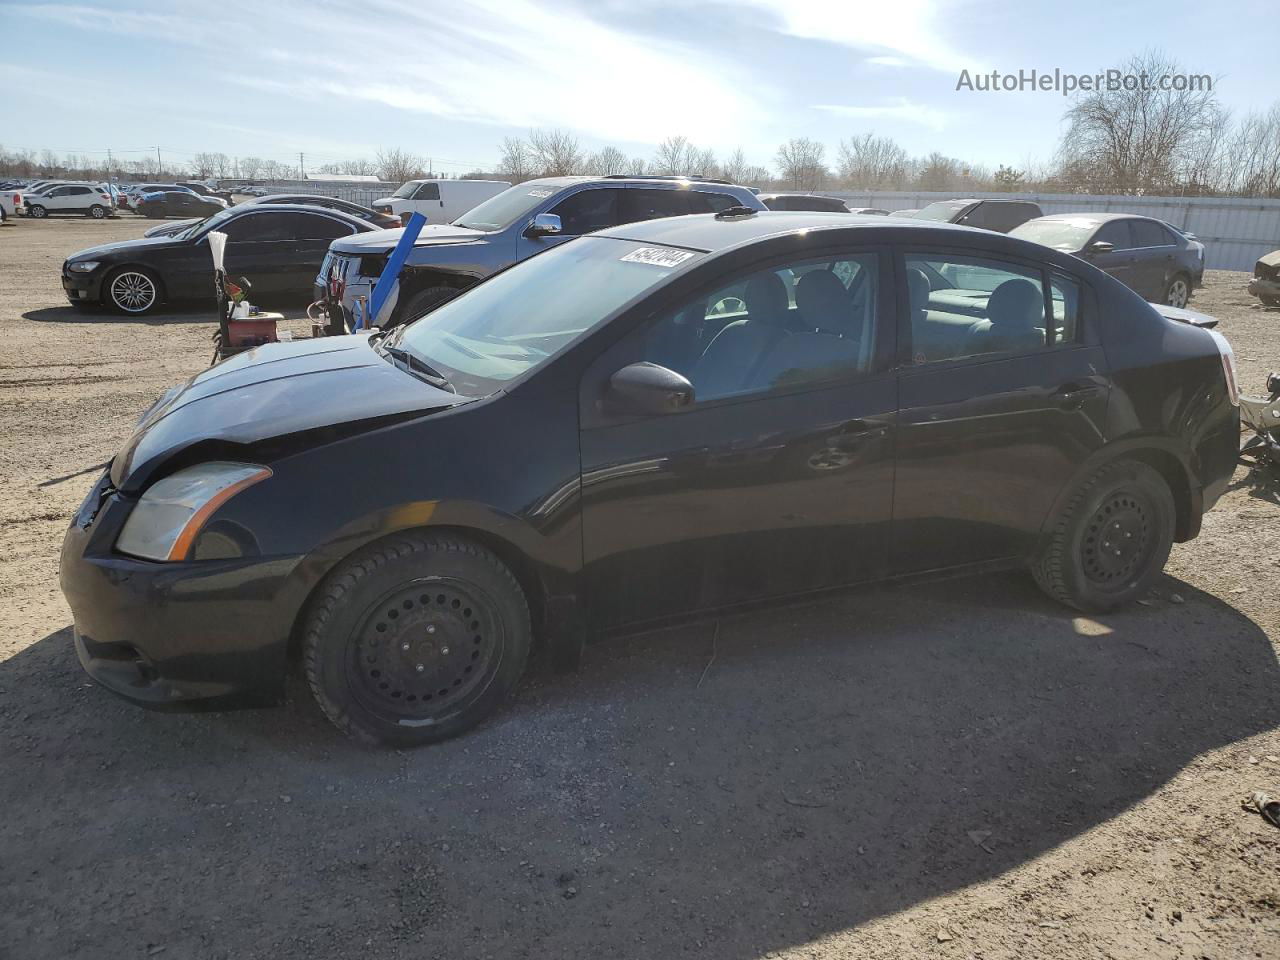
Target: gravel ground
<point>960,769</point>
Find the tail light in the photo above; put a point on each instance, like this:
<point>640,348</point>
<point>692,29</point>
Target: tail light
<point>1228,366</point>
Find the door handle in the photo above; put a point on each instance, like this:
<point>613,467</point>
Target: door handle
<point>1072,395</point>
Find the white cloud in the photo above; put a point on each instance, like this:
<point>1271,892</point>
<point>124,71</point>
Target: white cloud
<point>908,31</point>
<point>898,108</point>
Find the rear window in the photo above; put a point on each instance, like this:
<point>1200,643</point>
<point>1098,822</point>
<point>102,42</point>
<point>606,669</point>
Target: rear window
<point>941,210</point>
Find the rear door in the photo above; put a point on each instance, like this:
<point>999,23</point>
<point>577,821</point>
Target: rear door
<point>1153,264</point>
<point>994,414</point>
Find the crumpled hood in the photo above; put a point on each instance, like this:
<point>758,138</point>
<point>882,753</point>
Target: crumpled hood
<point>273,391</point>
<point>1272,259</point>
<point>382,241</point>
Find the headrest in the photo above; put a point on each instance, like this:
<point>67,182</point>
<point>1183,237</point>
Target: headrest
<point>823,302</point>
<point>1016,305</point>
<point>919,288</point>
<point>766,298</point>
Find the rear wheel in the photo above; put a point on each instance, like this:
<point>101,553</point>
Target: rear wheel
<point>1110,541</point>
<point>1178,292</point>
<point>37,211</point>
<point>97,211</point>
<point>132,290</point>
<point>416,639</point>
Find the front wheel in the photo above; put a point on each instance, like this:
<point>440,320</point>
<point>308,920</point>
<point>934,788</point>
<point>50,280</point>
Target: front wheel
<point>423,302</point>
<point>1179,291</point>
<point>132,290</point>
<point>1111,540</point>
<point>37,211</point>
<point>416,639</point>
<point>97,211</point>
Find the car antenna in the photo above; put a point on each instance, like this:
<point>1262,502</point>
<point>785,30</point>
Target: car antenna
<point>736,213</point>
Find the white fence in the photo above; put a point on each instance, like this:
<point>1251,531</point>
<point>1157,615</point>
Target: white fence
<point>1235,232</point>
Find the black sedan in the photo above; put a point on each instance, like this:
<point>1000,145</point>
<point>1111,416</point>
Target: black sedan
<point>659,420</point>
<point>1149,256</point>
<point>278,248</point>
<point>178,203</point>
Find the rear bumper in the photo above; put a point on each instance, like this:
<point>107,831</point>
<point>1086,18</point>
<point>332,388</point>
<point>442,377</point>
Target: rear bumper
<point>180,636</point>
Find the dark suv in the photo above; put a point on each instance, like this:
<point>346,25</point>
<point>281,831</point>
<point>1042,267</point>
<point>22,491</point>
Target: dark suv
<point>659,420</point>
<point>1149,256</point>
<point>526,219</point>
<point>998,215</point>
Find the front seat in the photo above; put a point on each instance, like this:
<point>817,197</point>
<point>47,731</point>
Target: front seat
<point>828,346</point>
<point>1015,311</point>
<point>727,363</point>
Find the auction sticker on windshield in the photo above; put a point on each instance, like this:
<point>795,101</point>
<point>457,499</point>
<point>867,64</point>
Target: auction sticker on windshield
<point>657,256</point>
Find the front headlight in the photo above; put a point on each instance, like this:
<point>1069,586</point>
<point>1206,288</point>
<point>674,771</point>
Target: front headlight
<point>171,512</point>
<point>83,266</point>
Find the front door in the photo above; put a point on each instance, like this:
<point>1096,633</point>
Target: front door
<point>779,479</point>
<point>590,208</point>
<point>995,414</point>
<point>1120,262</point>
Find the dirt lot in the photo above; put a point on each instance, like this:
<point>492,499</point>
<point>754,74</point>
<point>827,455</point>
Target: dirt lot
<point>951,770</point>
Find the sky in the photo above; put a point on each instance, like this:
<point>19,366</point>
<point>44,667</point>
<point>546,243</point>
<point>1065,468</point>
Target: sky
<point>450,80</point>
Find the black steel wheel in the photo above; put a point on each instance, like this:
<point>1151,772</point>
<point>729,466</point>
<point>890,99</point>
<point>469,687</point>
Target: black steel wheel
<point>1111,540</point>
<point>416,639</point>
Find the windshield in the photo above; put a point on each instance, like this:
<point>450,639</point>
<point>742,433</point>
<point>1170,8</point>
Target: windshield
<point>498,213</point>
<point>1064,234</point>
<point>408,189</point>
<point>522,317</point>
<point>942,210</point>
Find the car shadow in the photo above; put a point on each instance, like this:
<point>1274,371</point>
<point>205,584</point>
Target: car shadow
<point>724,788</point>
<point>193,313</point>
<point>1260,481</point>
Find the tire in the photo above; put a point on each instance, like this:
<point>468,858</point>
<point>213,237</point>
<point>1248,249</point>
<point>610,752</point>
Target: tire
<point>422,303</point>
<point>1270,301</point>
<point>416,639</point>
<point>98,212</point>
<point>37,211</point>
<point>1178,293</point>
<point>1125,507</point>
<point>132,290</point>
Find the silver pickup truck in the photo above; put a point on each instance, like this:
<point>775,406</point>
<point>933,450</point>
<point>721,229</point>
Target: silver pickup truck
<point>512,226</point>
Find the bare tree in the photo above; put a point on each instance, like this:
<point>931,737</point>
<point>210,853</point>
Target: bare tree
<point>800,164</point>
<point>555,153</point>
<point>250,167</point>
<point>1251,160</point>
<point>872,163</point>
<point>1140,138</point>
<point>938,172</point>
<point>638,167</point>
<point>672,156</point>
<point>396,165</point>
<point>515,163</point>
<point>606,161</point>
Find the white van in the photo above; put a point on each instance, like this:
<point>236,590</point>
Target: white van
<point>440,201</point>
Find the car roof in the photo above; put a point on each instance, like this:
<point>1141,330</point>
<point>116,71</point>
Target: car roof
<point>1092,217</point>
<point>614,179</point>
<point>708,232</point>
<point>247,208</point>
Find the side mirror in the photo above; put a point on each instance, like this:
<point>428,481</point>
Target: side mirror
<point>543,225</point>
<point>649,389</point>
<point>1097,247</point>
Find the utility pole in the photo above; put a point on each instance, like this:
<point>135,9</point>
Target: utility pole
<point>108,164</point>
<point>302,170</point>
<point>159,163</point>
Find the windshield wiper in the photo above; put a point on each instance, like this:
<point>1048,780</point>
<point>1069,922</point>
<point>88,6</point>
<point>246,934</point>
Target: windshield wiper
<point>415,365</point>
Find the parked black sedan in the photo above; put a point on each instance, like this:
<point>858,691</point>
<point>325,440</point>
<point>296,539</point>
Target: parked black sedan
<point>379,220</point>
<point>278,248</point>
<point>658,420</point>
<point>178,203</point>
<point>1149,256</point>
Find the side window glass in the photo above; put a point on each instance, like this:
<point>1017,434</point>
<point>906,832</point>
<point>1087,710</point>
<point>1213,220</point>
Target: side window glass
<point>772,330</point>
<point>428,191</point>
<point>991,308</point>
<point>311,227</point>
<point>1064,294</point>
<point>645,204</point>
<point>587,210</point>
<point>700,202</point>
<point>1148,233</point>
<point>1116,233</point>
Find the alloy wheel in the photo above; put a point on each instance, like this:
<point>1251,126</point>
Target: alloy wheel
<point>133,292</point>
<point>1179,294</point>
<point>38,211</point>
